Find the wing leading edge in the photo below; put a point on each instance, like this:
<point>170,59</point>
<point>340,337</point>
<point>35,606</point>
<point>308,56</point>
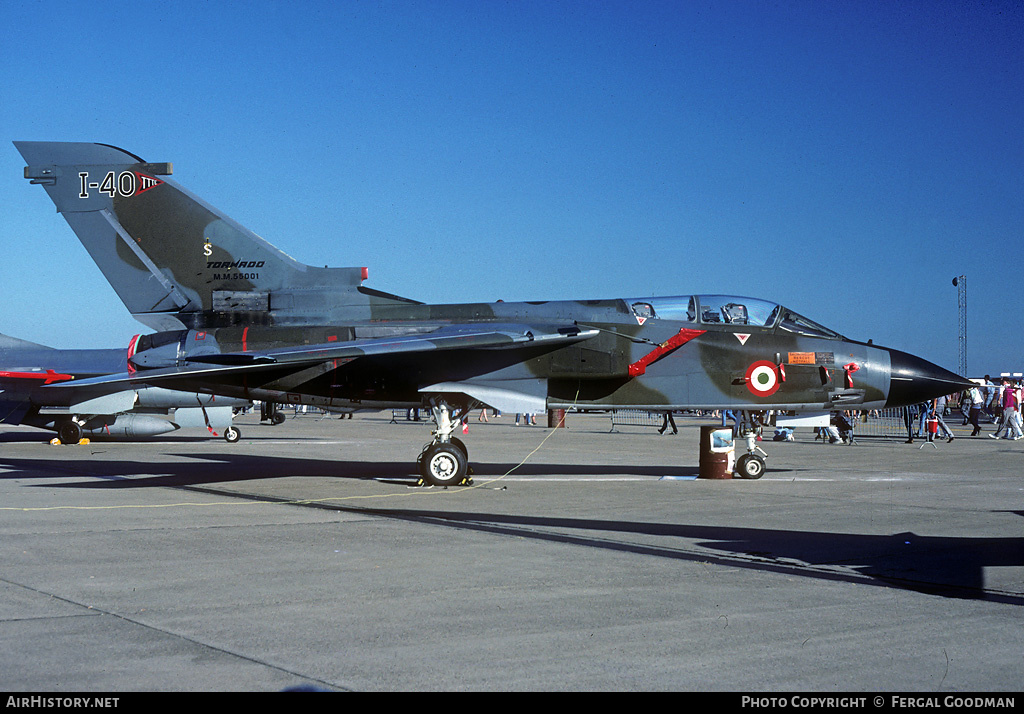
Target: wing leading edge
<point>220,365</point>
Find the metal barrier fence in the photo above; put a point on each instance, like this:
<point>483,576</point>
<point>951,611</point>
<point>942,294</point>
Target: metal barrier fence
<point>876,423</point>
<point>421,414</point>
<point>884,423</point>
<point>897,423</point>
<point>636,417</point>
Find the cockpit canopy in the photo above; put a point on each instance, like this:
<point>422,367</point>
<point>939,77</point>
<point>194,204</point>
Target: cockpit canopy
<point>728,310</point>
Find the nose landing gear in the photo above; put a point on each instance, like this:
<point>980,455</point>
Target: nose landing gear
<point>751,465</point>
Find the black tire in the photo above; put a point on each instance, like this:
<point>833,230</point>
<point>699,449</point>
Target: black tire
<point>457,443</point>
<point>70,432</point>
<point>443,465</point>
<point>750,466</point>
<point>232,435</point>
<point>277,418</point>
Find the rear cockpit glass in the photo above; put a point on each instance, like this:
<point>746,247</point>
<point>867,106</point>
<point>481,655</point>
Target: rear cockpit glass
<point>731,310</point>
<point>643,310</point>
<point>682,309</point>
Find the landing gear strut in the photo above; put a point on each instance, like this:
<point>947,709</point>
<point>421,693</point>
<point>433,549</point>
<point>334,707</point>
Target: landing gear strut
<point>445,460</point>
<point>750,465</point>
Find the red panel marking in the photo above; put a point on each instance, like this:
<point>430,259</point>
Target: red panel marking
<point>245,335</point>
<point>673,343</point>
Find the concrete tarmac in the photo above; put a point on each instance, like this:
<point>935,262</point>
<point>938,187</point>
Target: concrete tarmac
<point>304,556</point>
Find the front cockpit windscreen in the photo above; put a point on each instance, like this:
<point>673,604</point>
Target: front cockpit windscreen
<point>727,310</point>
<point>794,322</point>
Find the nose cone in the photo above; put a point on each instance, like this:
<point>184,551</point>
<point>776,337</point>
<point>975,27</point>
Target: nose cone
<point>913,380</point>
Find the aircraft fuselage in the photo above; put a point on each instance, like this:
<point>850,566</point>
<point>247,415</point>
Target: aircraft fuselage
<point>635,359</point>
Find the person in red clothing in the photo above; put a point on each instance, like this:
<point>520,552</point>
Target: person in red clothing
<point>1011,417</point>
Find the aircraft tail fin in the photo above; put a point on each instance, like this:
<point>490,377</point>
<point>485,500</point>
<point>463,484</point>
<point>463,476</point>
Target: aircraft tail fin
<point>173,259</point>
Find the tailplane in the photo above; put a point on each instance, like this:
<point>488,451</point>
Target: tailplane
<point>173,259</point>
<point>14,344</point>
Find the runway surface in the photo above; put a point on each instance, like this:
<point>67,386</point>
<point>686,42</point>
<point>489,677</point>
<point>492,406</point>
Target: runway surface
<point>305,555</point>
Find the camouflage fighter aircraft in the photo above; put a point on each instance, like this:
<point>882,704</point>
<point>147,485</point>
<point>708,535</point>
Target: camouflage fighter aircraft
<point>129,412</point>
<point>237,316</point>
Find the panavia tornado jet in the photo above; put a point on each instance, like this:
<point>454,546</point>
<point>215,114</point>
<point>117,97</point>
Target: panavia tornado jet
<point>126,412</point>
<point>238,317</point>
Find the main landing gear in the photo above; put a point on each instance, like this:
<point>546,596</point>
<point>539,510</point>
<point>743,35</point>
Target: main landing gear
<point>70,432</point>
<point>445,460</point>
<point>270,412</point>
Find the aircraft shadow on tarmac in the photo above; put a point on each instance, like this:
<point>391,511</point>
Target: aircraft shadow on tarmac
<point>936,565</point>
<point>220,468</point>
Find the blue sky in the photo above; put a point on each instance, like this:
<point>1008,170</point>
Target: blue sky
<point>847,159</point>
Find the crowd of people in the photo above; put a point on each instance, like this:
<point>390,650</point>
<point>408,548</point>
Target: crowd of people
<point>989,402</point>
<point>998,403</point>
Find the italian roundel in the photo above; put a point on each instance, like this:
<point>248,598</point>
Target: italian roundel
<point>763,378</point>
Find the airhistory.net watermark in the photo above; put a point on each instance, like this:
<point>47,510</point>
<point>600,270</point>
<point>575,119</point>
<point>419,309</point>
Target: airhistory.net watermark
<point>50,702</point>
